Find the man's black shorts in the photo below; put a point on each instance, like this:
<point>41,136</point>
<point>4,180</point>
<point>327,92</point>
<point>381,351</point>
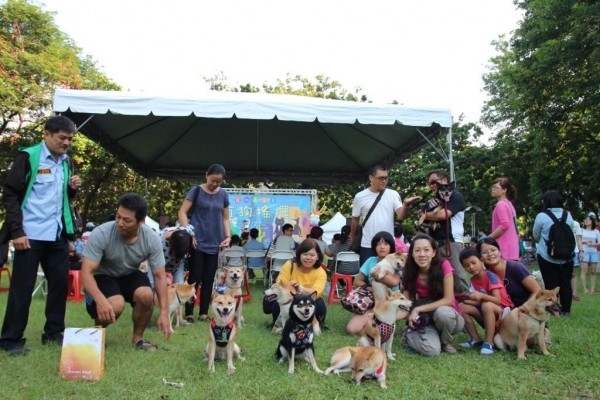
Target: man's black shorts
<point>110,286</point>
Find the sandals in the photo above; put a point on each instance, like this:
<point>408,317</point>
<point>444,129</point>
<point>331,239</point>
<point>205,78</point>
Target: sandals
<point>203,317</point>
<point>143,344</point>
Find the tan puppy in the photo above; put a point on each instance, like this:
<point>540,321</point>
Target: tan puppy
<point>528,321</point>
<point>222,333</point>
<point>284,294</point>
<point>380,327</point>
<point>388,265</point>
<point>234,279</point>
<point>364,362</point>
<point>178,295</point>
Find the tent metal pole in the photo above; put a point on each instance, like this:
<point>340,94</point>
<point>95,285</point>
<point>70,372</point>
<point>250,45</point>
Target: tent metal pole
<point>450,157</point>
<point>85,122</point>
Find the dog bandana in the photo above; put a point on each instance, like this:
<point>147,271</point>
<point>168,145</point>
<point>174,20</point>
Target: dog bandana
<point>221,333</point>
<point>303,335</point>
<point>385,330</point>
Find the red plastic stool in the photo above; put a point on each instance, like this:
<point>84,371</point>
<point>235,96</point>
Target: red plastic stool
<point>7,271</point>
<point>334,281</point>
<point>74,292</point>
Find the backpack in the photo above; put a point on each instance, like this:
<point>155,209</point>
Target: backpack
<point>561,240</point>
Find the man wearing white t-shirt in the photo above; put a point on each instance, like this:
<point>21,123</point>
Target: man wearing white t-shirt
<point>382,217</point>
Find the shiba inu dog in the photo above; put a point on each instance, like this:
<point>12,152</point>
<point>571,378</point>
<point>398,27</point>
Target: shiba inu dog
<point>283,293</point>
<point>222,333</point>
<point>380,327</point>
<point>177,296</point>
<point>364,362</point>
<point>388,265</point>
<point>234,279</point>
<point>299,331</point>
<point>528,321</point>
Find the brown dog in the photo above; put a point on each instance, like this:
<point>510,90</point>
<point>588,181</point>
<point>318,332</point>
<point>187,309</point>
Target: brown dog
<point>364,362</point>
<point>222,333</point>
<point>178,295</point>
<point>234,279</point>
<point>381,324</point>
<point>528,321</point>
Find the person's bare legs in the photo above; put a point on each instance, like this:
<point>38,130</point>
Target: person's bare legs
<point>592,270</point>
<point>584,270</point>
<point>142,311</point>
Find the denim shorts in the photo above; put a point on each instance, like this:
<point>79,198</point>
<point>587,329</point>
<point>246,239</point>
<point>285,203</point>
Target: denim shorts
<point>590,256</point>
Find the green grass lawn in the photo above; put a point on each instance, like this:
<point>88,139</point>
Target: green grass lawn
<point>571,373</point>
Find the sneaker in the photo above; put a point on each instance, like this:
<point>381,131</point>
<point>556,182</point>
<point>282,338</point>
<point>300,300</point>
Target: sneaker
<point>190,319</point>
<point>471,344</point>
<point>16,349</point>
<point>53,339</point>
<point>448,348</point>
<point>486,349</point>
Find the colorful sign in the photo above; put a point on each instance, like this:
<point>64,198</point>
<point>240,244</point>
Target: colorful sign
<point>269,212</point>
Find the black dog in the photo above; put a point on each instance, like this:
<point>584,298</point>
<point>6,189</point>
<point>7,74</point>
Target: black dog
<point>299,331</point>
<point>434,205</point>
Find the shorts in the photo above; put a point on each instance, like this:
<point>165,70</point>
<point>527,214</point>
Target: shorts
<point>111,286</point>
<point>590,256</point>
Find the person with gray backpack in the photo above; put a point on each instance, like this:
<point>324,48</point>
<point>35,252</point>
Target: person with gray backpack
<point>553,232</point>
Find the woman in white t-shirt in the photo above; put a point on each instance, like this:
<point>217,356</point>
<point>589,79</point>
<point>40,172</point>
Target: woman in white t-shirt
<point>590,238</point>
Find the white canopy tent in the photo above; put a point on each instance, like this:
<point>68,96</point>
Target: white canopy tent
<point>333,226</point>
<point>256,136</point>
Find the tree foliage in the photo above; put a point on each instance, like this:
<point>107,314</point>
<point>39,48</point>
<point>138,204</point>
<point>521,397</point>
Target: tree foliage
<point>544,91</point>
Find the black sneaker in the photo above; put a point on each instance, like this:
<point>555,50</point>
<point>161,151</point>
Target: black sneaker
<point>53,339</point>
<point>15,349</point>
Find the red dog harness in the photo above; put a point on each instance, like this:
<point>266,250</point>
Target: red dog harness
<point>385,330</point>
<point>221,333</point>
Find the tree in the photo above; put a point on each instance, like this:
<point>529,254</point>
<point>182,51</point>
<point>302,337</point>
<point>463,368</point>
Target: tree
<point>35,59</point>
<point>544,91</point>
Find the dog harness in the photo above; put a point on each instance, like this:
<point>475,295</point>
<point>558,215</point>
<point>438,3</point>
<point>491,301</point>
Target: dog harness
<point>385,330</point>
<point>303,335</point>
<point>221,333</point>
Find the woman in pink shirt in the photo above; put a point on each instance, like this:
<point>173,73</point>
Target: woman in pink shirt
<point>504,219</point>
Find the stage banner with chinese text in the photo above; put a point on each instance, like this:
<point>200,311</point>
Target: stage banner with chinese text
<point>268,213</point>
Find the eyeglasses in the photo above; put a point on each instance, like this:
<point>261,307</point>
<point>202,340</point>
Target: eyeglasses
<point>382,178</point>
<point>490,252</point>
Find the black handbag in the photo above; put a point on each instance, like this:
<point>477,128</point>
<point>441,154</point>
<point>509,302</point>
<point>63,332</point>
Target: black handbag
<point>355,246</point>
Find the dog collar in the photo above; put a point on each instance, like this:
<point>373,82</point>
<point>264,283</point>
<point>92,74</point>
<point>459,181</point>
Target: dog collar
<point>526,312</point>
<point>379,371</point>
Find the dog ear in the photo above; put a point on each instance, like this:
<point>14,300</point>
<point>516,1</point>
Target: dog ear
<point>313,295</point>
<point>352,351</point>
<point>556,289</point>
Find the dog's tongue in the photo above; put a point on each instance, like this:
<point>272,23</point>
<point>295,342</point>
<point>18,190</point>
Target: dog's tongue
<point>556,313</point>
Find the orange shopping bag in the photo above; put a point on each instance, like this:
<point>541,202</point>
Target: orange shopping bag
<point>82,354</point>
